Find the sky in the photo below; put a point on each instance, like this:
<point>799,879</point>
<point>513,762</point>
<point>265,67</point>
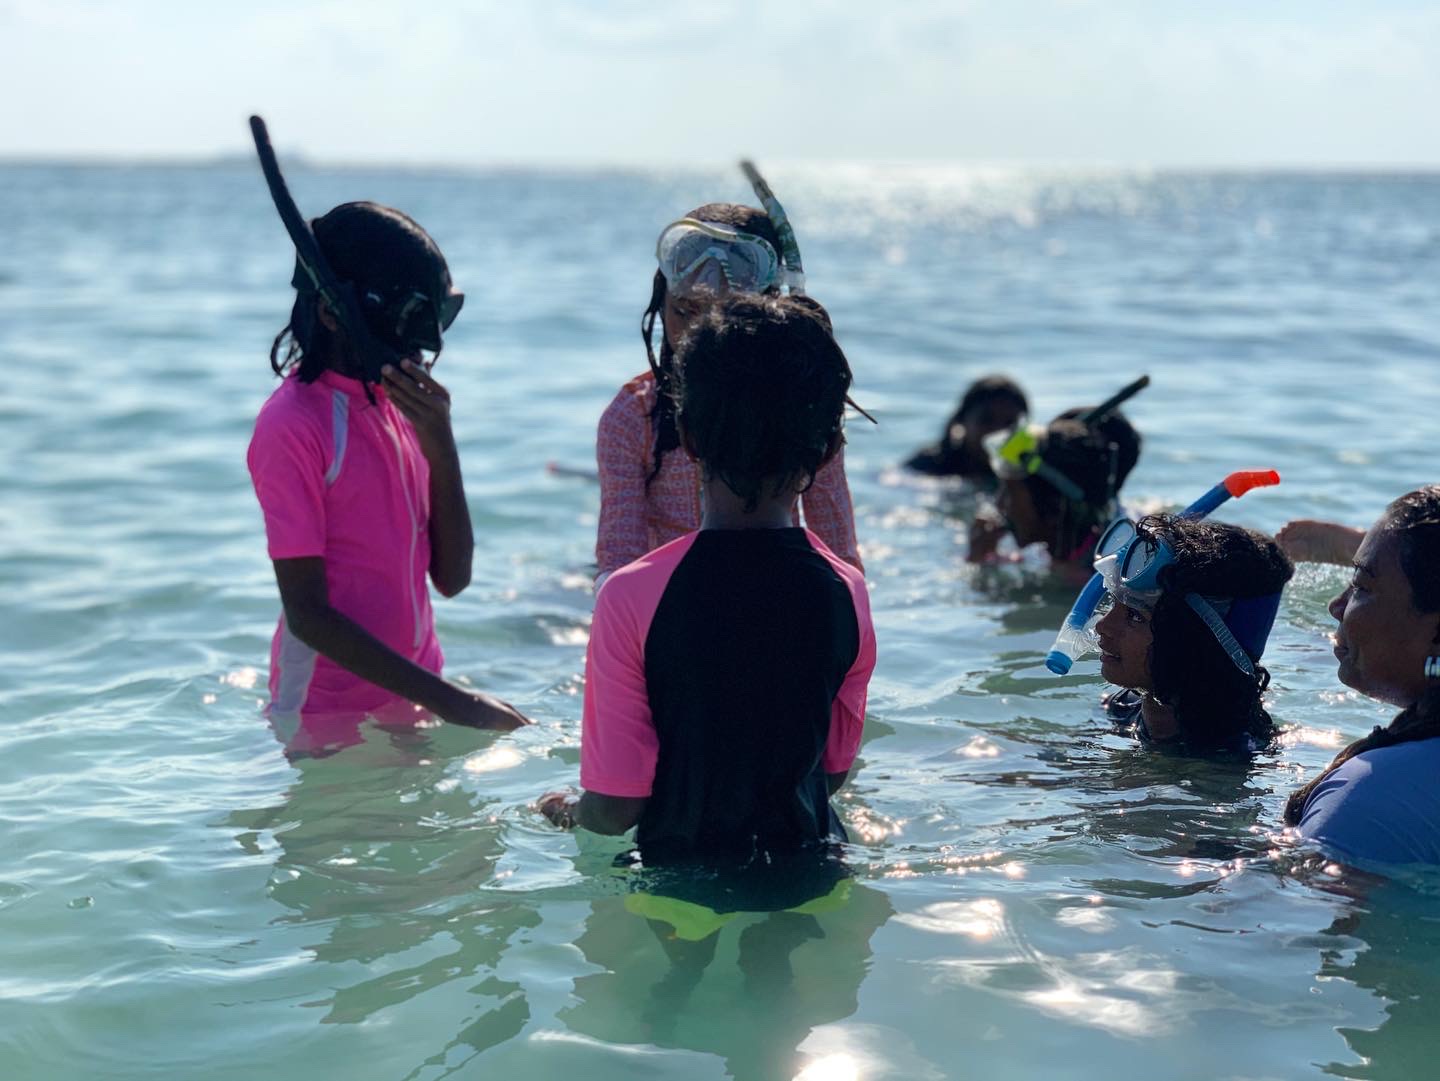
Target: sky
<point>1164,83</point>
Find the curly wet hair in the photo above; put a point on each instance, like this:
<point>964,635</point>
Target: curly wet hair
<point>1215,703</point>
<point>1414,519</point>
<point>747,219</point>
<point>760,388</point>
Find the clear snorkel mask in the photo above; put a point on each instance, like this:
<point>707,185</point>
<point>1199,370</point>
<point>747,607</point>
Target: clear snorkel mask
<point>695,254</point>
<point>1020,453</point>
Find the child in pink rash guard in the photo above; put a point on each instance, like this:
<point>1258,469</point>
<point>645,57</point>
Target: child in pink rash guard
<point>343,480</point>
<point>649,488</point>
<point>727,671</point>
<point>359,484</point>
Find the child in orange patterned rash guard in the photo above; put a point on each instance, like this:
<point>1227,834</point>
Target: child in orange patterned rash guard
<point>649,487</point>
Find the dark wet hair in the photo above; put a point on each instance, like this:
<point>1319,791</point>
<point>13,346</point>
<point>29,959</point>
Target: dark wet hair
<point>1097,458</point>
<point>760,392</point>
<point>987,389</point>
<point>1414,519</point>
<point>366,244</point>
<point>1216,704</point>
<point>747,219</point>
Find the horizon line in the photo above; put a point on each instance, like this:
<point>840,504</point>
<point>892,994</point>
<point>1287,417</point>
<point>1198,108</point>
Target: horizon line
<point>300,161</point>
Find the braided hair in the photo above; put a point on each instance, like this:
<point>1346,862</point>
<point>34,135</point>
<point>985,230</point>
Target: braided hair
<point>746,219</point>
<point>366,244</point>
<point>1414,520</point>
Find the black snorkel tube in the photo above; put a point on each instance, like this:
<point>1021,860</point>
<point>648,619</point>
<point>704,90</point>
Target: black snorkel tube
<point>338,296</point>
<point>1094,416</point>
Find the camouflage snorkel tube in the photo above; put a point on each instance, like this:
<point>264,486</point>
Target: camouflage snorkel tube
<point>794,273</point>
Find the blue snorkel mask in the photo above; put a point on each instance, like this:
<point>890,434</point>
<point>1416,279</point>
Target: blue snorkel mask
<point>1130,566</point>
<point>1131,571</point>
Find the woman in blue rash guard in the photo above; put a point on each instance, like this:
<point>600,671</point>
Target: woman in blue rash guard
<point>1192,605</point>
<point>1379,800</point>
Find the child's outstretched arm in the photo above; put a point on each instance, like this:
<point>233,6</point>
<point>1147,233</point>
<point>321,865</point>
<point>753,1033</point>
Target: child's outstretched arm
<point>426,404</point>
<point>1306,540</point>
<point>308,614</point>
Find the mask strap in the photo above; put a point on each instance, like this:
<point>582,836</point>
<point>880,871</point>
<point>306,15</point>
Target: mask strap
<point>1228,642</point>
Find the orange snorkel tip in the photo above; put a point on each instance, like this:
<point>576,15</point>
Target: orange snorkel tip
<point>1243,480</point>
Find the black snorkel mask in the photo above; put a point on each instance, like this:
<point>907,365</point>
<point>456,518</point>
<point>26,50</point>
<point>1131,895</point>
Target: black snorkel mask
<point>383,327</point>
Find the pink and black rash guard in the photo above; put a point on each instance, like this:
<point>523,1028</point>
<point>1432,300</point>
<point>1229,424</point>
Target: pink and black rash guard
<point>726,676</point>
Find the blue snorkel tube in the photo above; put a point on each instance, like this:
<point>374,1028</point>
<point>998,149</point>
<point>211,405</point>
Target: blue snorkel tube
<point>1074,638</point>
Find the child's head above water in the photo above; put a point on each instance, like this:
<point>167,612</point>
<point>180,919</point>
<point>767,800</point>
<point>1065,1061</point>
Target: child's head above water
<point>401,281</point>
<point>760,393</point>
<point>682,252</point>
<point>992,403</point>
<point>1192,606</point>
<point>1072,495</point>
<point>676,312</point>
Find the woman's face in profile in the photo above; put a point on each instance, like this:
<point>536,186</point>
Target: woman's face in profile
<point>1382,640</point>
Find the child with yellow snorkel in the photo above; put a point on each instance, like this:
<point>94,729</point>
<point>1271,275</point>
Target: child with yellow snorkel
<point>1060,485</point>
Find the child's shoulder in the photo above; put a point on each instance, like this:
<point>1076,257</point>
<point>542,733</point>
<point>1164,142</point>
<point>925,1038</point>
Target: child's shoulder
<point>646,577</point>
<point>294,402</point>
<point>638,391</point>
<point>848,574</point>
<point>296,413</point>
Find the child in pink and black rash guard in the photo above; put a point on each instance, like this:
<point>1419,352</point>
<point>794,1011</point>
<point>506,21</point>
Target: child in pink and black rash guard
<point>358,479</point>
<point>727,671</point>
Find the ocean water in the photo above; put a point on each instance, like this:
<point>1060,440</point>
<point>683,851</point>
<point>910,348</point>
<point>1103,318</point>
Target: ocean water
<point>1035,895</point>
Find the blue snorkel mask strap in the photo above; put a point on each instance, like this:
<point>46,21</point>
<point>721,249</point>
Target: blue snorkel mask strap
<point>794,272</point>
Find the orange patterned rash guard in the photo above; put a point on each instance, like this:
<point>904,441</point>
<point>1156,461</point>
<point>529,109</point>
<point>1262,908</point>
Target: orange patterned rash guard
<point>635,519</point>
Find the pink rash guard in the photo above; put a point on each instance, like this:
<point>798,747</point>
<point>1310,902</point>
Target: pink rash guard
<point>726,677</point>
<point>345,480</point>
<point>635,519</point>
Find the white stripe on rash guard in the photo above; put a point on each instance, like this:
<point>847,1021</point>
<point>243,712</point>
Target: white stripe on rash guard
<point>340,433</point>
<point>296,661</point>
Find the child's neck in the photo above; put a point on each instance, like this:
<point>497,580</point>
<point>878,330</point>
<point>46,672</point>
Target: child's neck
<point>720,508</point>
<point>1160,719</point>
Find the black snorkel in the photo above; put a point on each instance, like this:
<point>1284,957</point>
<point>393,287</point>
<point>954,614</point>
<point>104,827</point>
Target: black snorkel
<point>1092,417</point>
<point>337,295</point>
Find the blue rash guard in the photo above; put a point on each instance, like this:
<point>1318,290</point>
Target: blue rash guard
<point>1382,806</point>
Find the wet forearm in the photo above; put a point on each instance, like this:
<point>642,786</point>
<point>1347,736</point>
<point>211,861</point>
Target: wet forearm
<point>342,640</point>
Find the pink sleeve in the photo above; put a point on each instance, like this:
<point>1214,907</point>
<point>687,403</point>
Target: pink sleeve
<point>618,743</point>
<point>287,465</point>
<point>829,514</point>
<point>621,454</point>
<point>847,714</point>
